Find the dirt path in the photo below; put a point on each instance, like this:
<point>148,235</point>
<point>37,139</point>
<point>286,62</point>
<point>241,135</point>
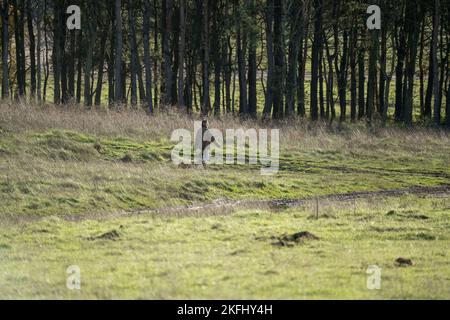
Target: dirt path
<point>222,207</point>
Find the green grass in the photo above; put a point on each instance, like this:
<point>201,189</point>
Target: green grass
<point>236,256</point>
<point>60,172</point>
<point>60,169</point>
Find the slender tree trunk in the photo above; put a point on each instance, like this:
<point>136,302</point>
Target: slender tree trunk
<point>71,65</point>
<point>361,84</point>
<point>64,59</point>
<point>296,23</point>
<point>32,48</point>
<point>388,82</point>
<point>39,14</point>
<point>399,103</point>
<point>167,59</point>
<point>268,104</point>
<point>353,79</point>
<point>279,74</point>
<point>437,102</point>
<point>118,90</point>
<point>217,57</point>
<point>371,86</point>
<point>18,26</point>
<point>228,54</point>
<point>90,39</point>
<point>342,78</point>
<point>5,49</point>
<point>241,45</point>
<point>447,106</point>
<point>57,54</point>
<point>302,57</point>
<point>156,60</point>
<point>101,65</point>
<point>133,49</point>
<point>413,29</point>
<point>444,58</point>
<point>111,75</point>
<point>21,47</point>
<point>382,77</point>
<point>316,47</point>
<point>181,52</point>
<point>323,113</point>
<point>330,86</point>
<point>147,56</point>
<point>205,64</point>
<point>421,69</point>
<point>47,60</point>
<point>79,67</point>
<point>252,65</point>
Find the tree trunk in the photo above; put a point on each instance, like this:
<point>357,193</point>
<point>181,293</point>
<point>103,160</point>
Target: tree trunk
<point>437,102</point>
<point>421,70</point>
<point>38,52</point>
<point>316,47</point>
<point>205,64</point>
<point>399,103</point>
<point>371,85</point>
<point>323,113</point>
<point>342,78</point>
<point>18,33</point>
<point>302,57</point>
<point>296,24</point>
<point>382,78</point>
<point>217,57</point>
<point>90,39</point>
<point>228,54</point>
<point>268,104</point>
<point>5,49</point>
<point>32,48</point>
<point>181,51</point>
<point>447,106</point>
<point>167,59</point>
<point>57,54</point>
<point>353,80</point>
<point>330,84</point>
<point>241,45</point>
<point>252,66</point>
<point>79,67</point>
<point>413,28</point>
<point>101,65</point>
<point>133,49</point>
<point>118,90</point>
<point>147,56</point>
<point>279,73</point>
<point>361,84</point>
<point>156,60</point>
<point>71,65</point>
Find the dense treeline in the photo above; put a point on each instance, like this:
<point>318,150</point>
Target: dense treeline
<point>254,58</point>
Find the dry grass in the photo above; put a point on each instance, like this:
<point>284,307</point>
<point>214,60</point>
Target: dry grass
<point>19,117</point>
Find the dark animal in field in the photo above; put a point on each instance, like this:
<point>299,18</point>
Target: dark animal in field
<point>402,262</point>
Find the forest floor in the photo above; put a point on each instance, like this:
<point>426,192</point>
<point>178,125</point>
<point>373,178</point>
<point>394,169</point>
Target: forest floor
<point>98,190</point>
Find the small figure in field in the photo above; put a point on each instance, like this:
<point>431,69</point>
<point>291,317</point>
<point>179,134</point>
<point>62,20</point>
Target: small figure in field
<point>205,144</point>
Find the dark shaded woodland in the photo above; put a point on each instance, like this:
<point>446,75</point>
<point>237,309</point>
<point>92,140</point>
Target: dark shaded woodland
<point>252,58</point>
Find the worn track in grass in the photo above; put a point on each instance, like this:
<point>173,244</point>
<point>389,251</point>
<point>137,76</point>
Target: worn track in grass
<point>223,207</point>
<point>220,207</point>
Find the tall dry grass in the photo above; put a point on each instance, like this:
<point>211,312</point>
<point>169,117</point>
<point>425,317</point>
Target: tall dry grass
<point>16,117</point>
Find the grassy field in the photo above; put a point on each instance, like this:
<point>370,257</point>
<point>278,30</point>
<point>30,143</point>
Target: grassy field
<point>67,176</point>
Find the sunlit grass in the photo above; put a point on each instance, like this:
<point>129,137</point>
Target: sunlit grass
<point>237,255</point>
